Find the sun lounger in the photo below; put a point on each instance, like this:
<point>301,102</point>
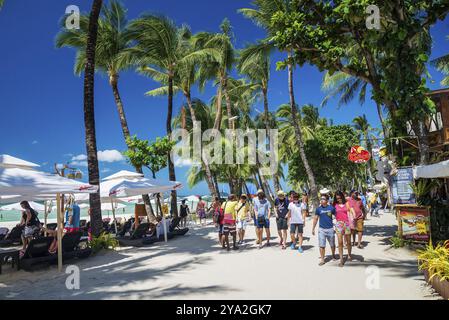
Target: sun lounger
<point>135,240</point>
<point>14,237</point>
<point>36,254</point>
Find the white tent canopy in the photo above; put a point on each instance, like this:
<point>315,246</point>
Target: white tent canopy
<point>437,170</point>
<point>7,161</point>
<point>16,181</point>
<point>17,207</point>
<point>104,206</point>
<point>128,188</point>
<point>124,174</point>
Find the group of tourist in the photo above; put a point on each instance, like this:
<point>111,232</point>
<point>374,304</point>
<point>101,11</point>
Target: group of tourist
<point>291,210</point>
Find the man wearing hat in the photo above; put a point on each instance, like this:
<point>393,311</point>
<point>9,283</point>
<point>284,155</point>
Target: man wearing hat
<point>281,210</point>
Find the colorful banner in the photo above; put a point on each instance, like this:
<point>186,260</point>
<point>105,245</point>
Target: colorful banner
<point>414,223</point>
<point>401,186</point>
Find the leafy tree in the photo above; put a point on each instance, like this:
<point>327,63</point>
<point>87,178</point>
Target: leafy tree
<point>333,36</point>
<point>152,156</point>
<point>328,155</point>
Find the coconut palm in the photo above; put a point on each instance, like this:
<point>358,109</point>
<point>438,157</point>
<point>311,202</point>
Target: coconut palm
<point>366,134</point>
<point>220,68</point>
<point>112,44</point>
<point>185,78</point>
<point>262,14</point>
<point>442,64</point>
<point>254,63</point>
<point>158,47</point>
<point>346,87</point>
<point>89,118</point>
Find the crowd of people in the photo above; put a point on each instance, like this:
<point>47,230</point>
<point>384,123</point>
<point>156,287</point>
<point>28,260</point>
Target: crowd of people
<point>340,219</point>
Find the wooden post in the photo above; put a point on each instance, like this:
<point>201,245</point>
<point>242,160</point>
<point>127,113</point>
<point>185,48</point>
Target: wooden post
<point>45,217</point>
<point>113,215</point>
<point>60,227</point>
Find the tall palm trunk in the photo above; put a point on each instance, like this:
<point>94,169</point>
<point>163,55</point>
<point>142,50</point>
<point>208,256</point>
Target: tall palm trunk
<point>382,120</point>
<point>113,81</point>
<point>423,141</point>
<point>277,185</point>
<point>217,122</point>
<point>228,103</point>
<point>210,182</point>
<point>299,141</point>
<point>171,166</point>
<point>89,118</point>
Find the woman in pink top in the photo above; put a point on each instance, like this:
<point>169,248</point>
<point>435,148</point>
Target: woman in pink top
<point>343,214</point>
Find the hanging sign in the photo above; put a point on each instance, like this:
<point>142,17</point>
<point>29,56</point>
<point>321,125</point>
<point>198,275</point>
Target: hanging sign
<point>401,186</point>
<point>358,154</point>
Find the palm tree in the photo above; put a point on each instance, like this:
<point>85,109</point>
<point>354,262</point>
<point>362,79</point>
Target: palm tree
<point>442,64</point>
<point>89,118</point>
<point>366,133</point>
<point>345,87</point>
<point>112,44</point>
<point>185,78</point>
<point>1,4</point>
<point>254,63</point>
<point>262,15</point>
<point>160,51</point>
<point>220,68</point>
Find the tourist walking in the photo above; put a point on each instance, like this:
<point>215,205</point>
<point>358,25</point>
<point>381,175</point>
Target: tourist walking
<point>184,212</point>
<point>281,210</point>
<point>218,218</point>
<point>229,222</point>
<point>356,204</point>
<point>242,211</point>
<point>297,217</point>
<point>262,212</point>
<point>344,216</point>
<point>324,215</point>
<point>30,222</point>
<point>201,210</point>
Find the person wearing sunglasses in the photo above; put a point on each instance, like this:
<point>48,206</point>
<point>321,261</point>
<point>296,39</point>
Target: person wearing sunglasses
<point>324,214</point>
<point>344,214</point>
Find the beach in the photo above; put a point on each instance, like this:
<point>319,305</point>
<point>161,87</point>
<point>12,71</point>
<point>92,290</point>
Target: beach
<point>195,267</point>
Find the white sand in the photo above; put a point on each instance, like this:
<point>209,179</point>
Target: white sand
<point>194,267</point>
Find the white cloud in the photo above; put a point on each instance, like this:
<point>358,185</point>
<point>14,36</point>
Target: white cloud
<point>35,142</point>
<point>183,162</point>
<point>103,156</point>
<point>80,157</point>
<point>78,163</point>
<point>105,170</point>
<point>110,156</point>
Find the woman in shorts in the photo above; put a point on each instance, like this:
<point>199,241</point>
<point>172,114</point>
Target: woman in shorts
<point>243,216</point>
<point>343,215</point>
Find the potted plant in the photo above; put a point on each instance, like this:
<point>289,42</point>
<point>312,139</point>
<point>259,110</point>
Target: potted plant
<point>434,262</point>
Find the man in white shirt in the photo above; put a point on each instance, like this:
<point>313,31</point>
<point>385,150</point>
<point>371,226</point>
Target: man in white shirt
<point>297,218</point>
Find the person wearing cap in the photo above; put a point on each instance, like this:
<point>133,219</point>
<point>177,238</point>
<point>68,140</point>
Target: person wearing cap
<point>324,214</point>
<point>281,209</point>
<point>262,212</point>
<point>242,210</point>
<point>229,221</point>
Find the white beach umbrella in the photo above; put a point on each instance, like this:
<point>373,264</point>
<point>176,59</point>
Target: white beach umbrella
<point>7,161</point>
<point>17,207</point>
<point>124,174</point>
<point>16,181</point>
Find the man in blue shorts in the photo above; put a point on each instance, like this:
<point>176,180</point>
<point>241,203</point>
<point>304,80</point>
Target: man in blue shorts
<point>326,231</point>
<point>262,213</point>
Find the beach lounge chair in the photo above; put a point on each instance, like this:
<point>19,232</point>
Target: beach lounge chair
<point>175,229</point>
<point>14,237</point>
<point>3,233</point>
<point>36,253</point>
<point>135,240</point>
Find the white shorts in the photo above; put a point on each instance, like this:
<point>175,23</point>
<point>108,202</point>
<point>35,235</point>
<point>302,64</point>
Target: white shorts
<point>242,224</point>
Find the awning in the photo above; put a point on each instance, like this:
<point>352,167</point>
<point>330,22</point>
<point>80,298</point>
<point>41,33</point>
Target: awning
<point>437,170</point>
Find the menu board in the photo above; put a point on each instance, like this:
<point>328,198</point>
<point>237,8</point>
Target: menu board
<point>414,223</point>
<point>401,187</point>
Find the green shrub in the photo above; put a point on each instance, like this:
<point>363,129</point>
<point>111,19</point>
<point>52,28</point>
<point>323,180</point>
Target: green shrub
<point>103,241</point>
<point>435,259</point>
<point>399,242</point>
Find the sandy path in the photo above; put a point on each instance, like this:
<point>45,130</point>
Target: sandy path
<point>194,267</point>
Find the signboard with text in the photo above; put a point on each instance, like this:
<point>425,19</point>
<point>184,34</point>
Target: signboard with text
<point>401,186</point>
<point>414,223</point>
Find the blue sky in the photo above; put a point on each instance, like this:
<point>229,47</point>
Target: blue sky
<point>41,101</point>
